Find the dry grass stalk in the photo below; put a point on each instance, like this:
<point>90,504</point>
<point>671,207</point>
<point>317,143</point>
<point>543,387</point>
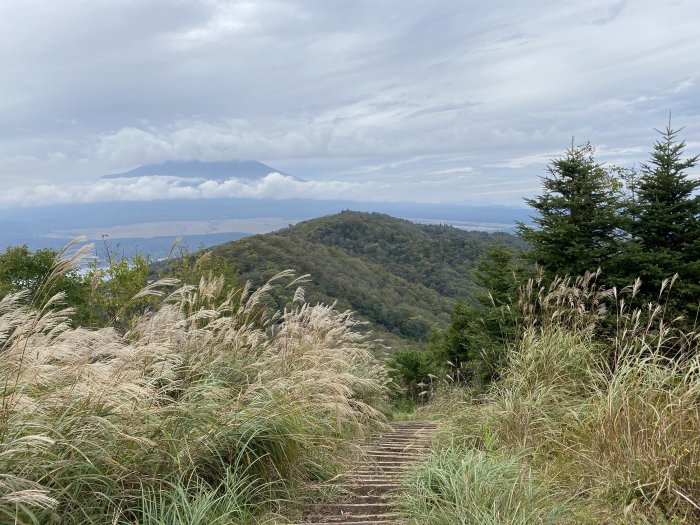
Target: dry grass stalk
<point>199,384</point>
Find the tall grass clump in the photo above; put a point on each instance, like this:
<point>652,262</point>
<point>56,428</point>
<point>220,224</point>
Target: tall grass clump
<point>599,400</point>
<point>208,410</point>
<point>463,486</point>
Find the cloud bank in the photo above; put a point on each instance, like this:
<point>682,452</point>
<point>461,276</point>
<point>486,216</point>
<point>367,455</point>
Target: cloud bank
<point>272,186</point>
<point>337,92</point>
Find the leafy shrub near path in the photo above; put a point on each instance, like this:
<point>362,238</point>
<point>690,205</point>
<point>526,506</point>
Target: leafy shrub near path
<point>208,404</point>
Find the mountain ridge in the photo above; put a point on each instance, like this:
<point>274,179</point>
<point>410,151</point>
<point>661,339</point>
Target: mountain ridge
<point>402,277</point>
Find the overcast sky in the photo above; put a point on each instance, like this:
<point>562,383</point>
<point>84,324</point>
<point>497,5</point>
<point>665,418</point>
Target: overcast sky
<point>460,101</point>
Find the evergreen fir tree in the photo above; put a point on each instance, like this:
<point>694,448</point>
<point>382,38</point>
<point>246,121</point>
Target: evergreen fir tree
<point>577,225</point>
<point>665,231</point>
<point>467,347</point>
<point>499,273</point>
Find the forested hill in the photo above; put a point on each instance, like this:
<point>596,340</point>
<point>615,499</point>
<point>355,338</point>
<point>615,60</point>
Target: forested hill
<point>400,276</point>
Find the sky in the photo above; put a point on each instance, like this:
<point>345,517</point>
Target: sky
<point>426,101</point>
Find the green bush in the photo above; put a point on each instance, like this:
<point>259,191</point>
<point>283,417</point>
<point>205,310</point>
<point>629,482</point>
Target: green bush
<point>412,371</point>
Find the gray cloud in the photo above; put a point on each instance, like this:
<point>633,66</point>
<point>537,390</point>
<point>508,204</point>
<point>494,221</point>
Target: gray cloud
<point>349,92</point>
<point>272,186</point>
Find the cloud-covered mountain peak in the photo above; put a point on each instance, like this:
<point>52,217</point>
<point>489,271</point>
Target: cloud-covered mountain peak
<point>194,169</point>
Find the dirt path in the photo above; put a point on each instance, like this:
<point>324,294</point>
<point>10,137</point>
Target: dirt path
<point>373,482</point>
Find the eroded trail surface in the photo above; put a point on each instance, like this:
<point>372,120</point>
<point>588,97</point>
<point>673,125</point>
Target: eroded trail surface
<point>374,481</point>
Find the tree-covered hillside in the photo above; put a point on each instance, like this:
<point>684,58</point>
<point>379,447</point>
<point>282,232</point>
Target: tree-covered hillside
<point>404,278</point>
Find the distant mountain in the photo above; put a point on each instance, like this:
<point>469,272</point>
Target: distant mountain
<point>402,277</point>
<point>194,169</point>
<point>53,226</point>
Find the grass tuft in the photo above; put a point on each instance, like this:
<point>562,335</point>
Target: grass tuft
<point>209,409</point>
<point>598,402</point>
<point>461,486</point>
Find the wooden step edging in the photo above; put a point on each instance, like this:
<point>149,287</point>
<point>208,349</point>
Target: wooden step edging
<point>374,480</point>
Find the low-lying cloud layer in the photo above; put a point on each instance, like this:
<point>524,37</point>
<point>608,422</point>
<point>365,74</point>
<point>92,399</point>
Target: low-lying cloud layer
<point>272,186</point>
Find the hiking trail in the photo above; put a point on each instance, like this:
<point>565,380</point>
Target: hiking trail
<point>375,479</point>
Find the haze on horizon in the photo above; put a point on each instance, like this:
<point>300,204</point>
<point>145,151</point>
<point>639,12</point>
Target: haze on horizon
<point>452,101</point>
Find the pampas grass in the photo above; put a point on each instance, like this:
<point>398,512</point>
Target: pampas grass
<point>99,426</point>
<point>462,486</point>
<point>601,402</point>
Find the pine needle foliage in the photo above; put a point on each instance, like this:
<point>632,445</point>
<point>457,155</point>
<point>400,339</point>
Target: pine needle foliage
<point>665,221</point>
<point>576,228</point>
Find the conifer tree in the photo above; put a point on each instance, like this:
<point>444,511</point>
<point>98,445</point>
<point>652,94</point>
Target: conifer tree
<point>577,225</point>
<point>665,232</point>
